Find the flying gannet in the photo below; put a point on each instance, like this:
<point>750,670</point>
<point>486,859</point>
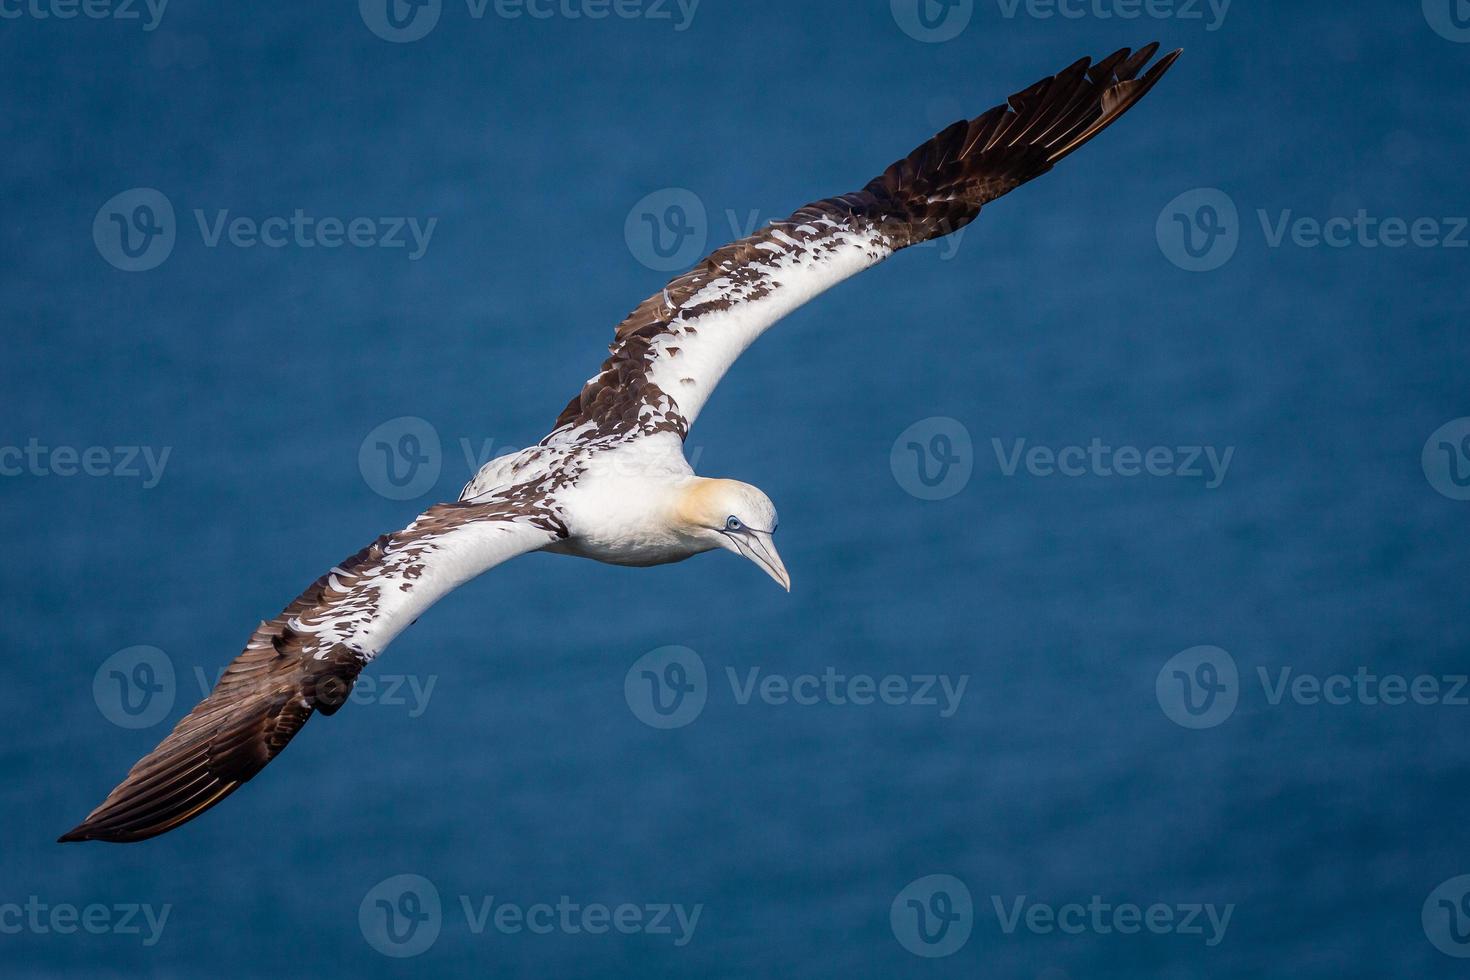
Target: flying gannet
<point>611,482</point>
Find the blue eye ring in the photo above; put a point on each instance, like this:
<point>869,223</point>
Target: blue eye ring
<point>732,523</point>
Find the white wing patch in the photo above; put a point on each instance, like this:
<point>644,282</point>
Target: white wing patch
<point>690,358</point>
<point>365,608</point>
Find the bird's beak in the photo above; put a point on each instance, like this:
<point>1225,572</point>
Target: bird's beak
<point>761,549</point>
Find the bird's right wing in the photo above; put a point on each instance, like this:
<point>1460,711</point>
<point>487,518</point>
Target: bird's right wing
<point>674,348</point>
<point>307,659</point>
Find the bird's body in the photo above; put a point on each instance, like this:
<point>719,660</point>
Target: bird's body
<point>610,482</point>
<point>618,510</point>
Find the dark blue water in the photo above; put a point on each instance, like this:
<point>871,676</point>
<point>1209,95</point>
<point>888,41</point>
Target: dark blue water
<point>1062,317</point>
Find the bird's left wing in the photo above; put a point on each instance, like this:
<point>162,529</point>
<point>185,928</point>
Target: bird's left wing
<point>673,349</point>
<point>307,659</point>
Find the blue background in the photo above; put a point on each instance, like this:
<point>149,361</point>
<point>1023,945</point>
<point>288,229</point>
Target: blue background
<point>1058,319</point>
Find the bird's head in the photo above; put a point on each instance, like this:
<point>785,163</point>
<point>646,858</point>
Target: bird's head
<point>735,516</point>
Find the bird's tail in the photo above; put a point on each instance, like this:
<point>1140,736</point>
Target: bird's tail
<point>941,186</point>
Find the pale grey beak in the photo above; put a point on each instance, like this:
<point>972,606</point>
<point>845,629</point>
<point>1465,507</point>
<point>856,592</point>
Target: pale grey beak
<point>759,548</point>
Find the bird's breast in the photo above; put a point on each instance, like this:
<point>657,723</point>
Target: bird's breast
<point>623,518</point>
<point>625,535</point>
<point>636,554</point>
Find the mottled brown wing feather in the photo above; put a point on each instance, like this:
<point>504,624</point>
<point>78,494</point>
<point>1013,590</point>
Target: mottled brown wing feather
<point>306,660</point>
<point>937,189</point>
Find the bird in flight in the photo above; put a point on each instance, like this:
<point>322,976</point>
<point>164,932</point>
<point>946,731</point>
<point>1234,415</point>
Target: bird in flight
<point>611,482</point>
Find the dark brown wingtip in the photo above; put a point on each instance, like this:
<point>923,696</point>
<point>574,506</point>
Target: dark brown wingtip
<point>1166,61</point>
<point>124,821</point>
<point>98,830</point>
<point>1157,69</point>
<point>149,804</point>
<point>1125,92</point>
<point>88,830</point>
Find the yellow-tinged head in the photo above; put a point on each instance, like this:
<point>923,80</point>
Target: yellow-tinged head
<point>735,516</point>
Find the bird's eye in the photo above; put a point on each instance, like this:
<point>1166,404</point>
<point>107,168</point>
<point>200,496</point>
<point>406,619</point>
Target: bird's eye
<point>732,523</point>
